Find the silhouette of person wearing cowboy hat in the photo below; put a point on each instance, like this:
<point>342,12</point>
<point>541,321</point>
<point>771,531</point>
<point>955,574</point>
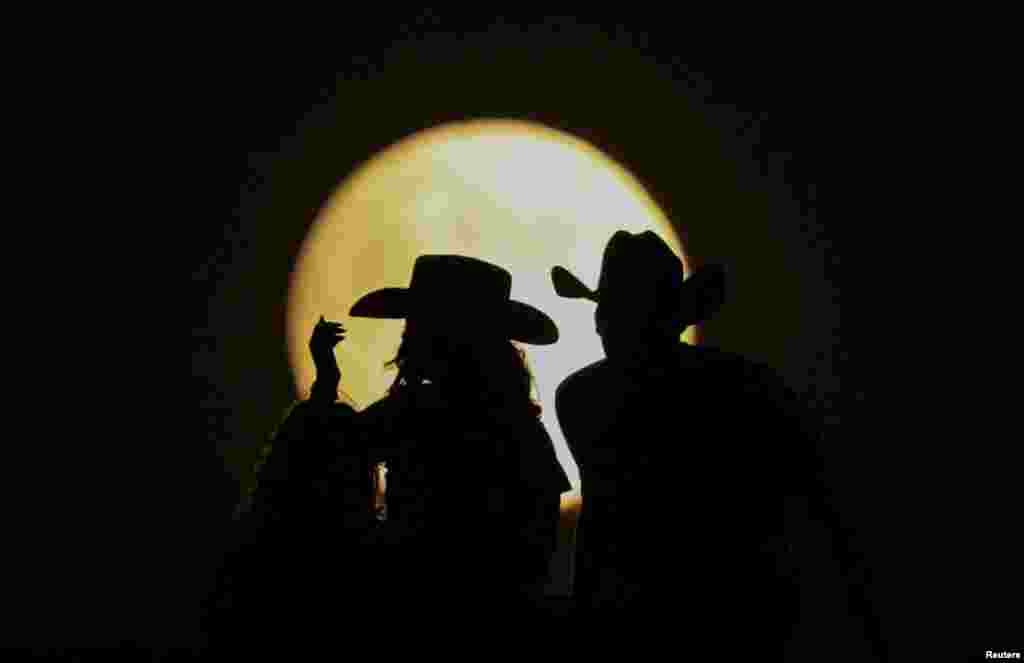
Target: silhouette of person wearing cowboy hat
<point>470,465</point>
<point>473,482</point>
<point>685,454</point>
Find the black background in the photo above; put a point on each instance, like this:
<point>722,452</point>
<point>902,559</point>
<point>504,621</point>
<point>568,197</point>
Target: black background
<point>726,122</point>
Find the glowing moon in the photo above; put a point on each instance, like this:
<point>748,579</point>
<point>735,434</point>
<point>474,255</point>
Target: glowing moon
<point>517,194</point>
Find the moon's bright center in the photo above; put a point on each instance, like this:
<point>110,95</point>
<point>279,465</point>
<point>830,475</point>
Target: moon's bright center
<point>517,194</point>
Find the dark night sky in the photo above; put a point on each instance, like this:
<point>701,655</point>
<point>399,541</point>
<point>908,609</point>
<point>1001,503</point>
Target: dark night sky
<point>717,147</point>
<point>726,136</point>
<point>727,129</point>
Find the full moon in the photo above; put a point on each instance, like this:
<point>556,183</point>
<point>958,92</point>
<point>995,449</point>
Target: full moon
<point>517,194</point>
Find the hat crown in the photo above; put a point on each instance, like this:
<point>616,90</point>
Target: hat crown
<point>458,290</point>
<point>640,277</point>
<point>631,260</point>
<point>461,294</point>
<point>438,279</point>
<point>643,279</point>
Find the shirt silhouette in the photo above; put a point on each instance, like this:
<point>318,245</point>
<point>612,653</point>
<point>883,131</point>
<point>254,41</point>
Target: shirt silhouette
<point>686,455</point>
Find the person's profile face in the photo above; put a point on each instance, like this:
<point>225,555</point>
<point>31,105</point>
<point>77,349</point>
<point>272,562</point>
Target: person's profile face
<point>618,337</point>
<point>630,328</point>
<point>424,349</point>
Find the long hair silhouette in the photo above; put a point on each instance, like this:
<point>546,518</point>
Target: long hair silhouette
<point>476,370</point>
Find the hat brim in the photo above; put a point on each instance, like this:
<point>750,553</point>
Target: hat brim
<point>703,293</point>
<point>390,303</point>
<point>522,322</point>
<point>569,285</point>
<point>529,324</point>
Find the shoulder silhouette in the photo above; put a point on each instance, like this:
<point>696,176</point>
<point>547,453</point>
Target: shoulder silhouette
<point>685,453</point>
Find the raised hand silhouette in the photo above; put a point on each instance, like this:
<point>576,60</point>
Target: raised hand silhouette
<point>325,337</point>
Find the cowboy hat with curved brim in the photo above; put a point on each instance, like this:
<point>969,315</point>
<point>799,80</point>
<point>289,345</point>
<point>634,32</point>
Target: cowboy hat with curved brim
<point>641,270</point>
<point>460,290</point>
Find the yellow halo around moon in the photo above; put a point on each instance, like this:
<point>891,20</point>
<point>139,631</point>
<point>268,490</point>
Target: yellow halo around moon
<point>517,194</point>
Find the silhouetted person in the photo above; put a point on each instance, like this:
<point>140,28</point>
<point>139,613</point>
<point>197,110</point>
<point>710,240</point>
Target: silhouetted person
<point>687,455</point>
<point>296,539</point>
<point>474,485</point>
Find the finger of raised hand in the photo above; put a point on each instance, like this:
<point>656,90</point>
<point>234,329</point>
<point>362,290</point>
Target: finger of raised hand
<point>329,328</point>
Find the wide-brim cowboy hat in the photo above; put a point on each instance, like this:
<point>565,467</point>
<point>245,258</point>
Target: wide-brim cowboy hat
<point>640,270</point>
<point>459,290</point>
